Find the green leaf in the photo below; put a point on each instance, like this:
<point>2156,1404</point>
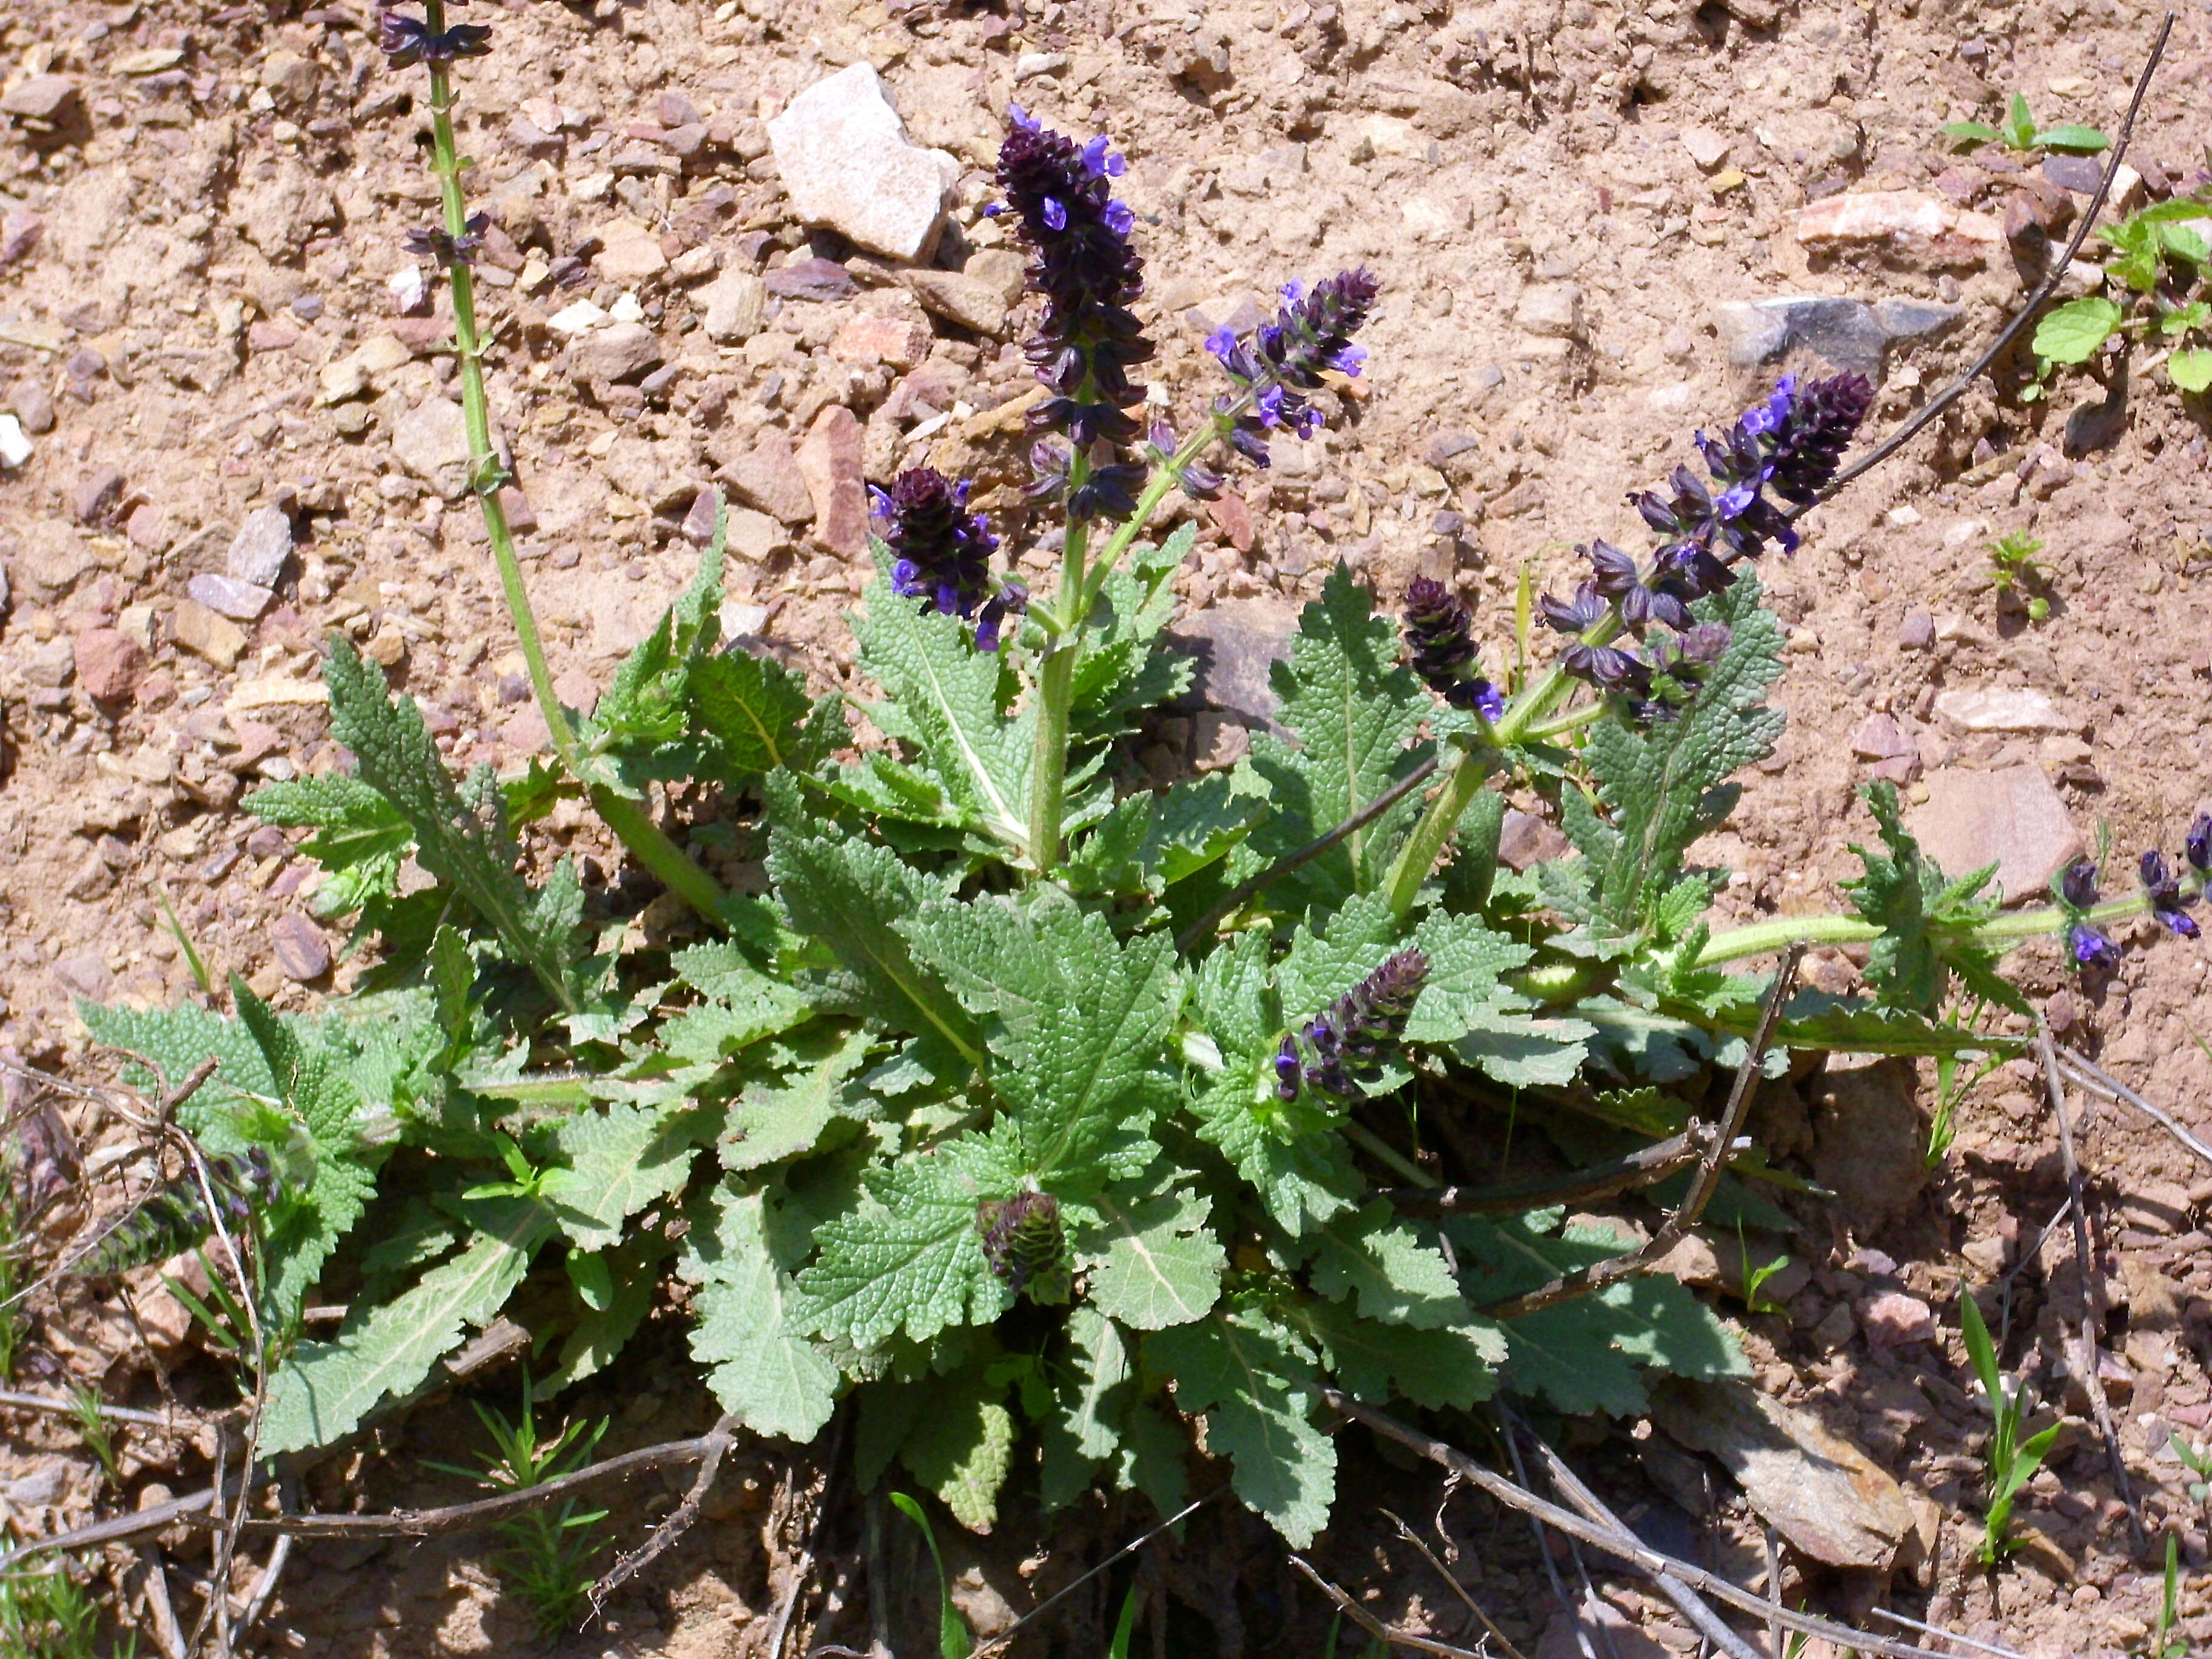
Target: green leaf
<point>462,842</point>
<point>1159,837</point>
<point>1353,711</point>
<point>1523,1049</point>
<point>1153,1262</point>
<point>748,1327</point>
<point>1095,1385</point>
<point>910,1258</point>
<point>2019,125</point>
<point>1465,962</point>
<point>769,1122</point>
<point>326,1388</point>
<point>953,1640</point>
<point>949,700</point>
<point>596,1337</point>
<point>1254,1386</point>
<point>637,731</point>
<point>962,1448</point>
<point>753,707</point>
<point>1078,1018</point>
<point>850,894</point>
<point>2071,136</point>
<point>1123,671</point>
<point>1972,132</point>
<point>359,838</point>
<point>620,1160</point>
<point>1927,922</point>
<point>1665,786</point>
<point>2073,333</point>
<point>1452,1366</point>
<point>2190,370</point>
<point>1379,1260</point>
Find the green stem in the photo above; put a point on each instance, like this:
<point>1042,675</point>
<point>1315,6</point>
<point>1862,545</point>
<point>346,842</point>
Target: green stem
<point>1465,775</point>
<point>629,821</point>
<point>1763,938</point>
<point>1069,610</point>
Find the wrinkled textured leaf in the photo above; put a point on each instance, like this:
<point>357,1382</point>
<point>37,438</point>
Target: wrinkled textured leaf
<point>1382,1262</point>
<point>1254,1386</point>
<point>755,708</point>
<point>1153,1262</point>
<point>765,1370</point>
<point>1452,1366</point>
<point>962,1447</point>
<point>1093,1392</point>
<point>2073,333</point>
<point>1924,920</point>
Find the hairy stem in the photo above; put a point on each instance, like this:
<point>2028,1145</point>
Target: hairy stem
<point>1465,773</point>
<point>1762,938</point>
<point>629,821</point>
<point>1070,609</point>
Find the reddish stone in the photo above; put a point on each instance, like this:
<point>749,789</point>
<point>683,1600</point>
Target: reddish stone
<point>302,953</point>
<point>900,342</point>
<point>829,462</point>
<point>1233,518</point>
<point>420,334</point>
<point>96,495</point>
<point>108,663</point>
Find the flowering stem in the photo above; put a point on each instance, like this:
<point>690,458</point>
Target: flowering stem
<point>1070,609</point>
<point>1762,938</point>
<point>628,820</point>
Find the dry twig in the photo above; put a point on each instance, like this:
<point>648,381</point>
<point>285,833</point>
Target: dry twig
<point>798,1578</point>
<point>2104,1083</point>
<point>1640,1168</point>
<point>1474,1608</point>
<point>678,1523</point>
<point>1703,1185</point>
<point>1374,1626</point>
<point>1000,1641</point>
<point>2090,1339</point>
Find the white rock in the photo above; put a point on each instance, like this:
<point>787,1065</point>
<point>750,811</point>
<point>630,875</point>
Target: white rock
<point>2002,709</point>
<point>1707,148</point>
<point>577,318</point>
<point>846,164</point>
<point>1875,215</point>
<point>733,304</point>
<point>627,310</point>
<point>1553,309</point>
<point>15,447</point>
<point>1031,64</point>
<point>257,552</point>
<point>409,288</point>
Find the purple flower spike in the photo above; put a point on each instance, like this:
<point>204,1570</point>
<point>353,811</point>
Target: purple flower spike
<point>1289,1070</point>
<point>941,552</point>
<point>1025,1244</point>
<point>1353,1038</point>
<point>2167,902</point>
<point>1440,638</point>
<point>2077,884</point>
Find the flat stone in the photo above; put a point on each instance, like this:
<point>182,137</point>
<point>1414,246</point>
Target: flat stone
<point>96,494</point>
<point>811,278</point>
<point>2012,817</point>
<point>259,549</point>
<point>51,98</point>
<point>431,441</point>
<point>303,955</point>
<point>1551,308</point>
<point>1875,215</point>
<point>959,298</point>
<point>631,252</point>
<point>1891,1319</point>
<point>846,164</point>
<point>1707,148</point>
<point>1916,632</point>
<point>899,341</point>
<point>1002,268</point>
<point>733,307</point>
<point>1916,319</point>
<point>1822,1493</point>
<point>767,477</point>
<point>1879,739</point>
<point>108,663</point>
<point>15,447</point>
<point>227,596</point>
<point>619,353</point>
<point>1869,1138</point>
<point>1846,333</point>
<point>205,633</point>
<point>1236,644</point>
<point>661,475</point>
<point>829,462</point>
<point>2002,709</point>
<point>2079,173</point>
<point>52,558</point>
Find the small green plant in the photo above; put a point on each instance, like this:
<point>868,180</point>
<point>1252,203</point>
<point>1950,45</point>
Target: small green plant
<point>2020,133</point>
<point>2010,1462</point>
<point>91,1415</point>
<point>954,1640</point>
<point>2165,1643</point>
<point>50,1615</point>
<point>1125,1627</point>
<point>2197,1459</point>
<point>1755,1277</point>
<point>2016,575</point>
<point>14,1324</point>
<point>550,1551</point>
<point>1953,1080</point>
<point>2159,260</point>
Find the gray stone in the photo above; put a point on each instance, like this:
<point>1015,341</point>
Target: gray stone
<point>968,300</point>
<point>845,161</point>
<point>302,953</point>
<point>1822,1493</point>
<point>1236,644</point>
<point>1002,268</point>
<point>622,351</point>
<point>2079,173</point>
<point>50,98</point>
<point>810,278</point>
<point>431,441</point>
<point>229,596</point>
<point>2012,817</point>
<point>1846,333</point>
<point>257,552</point>
<point>1916,319</point>
<point>1916,632</point>
<point>1868,1141</point>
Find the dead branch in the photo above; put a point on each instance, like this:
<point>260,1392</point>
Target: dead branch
<point>1719,1146</point>
<point>678,1521</point>
<point>39,1402</point>
<point>2104,1083</point>
<point>1633,1553</point>
<point>2090,1341</point>
<point>784,1613</point>
<point>1474,1608</point>
<point>996,1643</point>
<point>1374,1626</point>
<point>1640,1168</point>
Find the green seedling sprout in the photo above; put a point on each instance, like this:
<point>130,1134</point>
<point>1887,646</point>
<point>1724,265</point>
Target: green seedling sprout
<point>1125,1627</point>
<point>2016,573</point>
<point>2008,1461</point>
<point>91,1415</point>
<point>2020,133</point>
<point>953,1639</point>
<point>1755,1278</point>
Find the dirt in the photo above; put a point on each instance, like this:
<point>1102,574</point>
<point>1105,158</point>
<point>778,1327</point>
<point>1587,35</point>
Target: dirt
<point>1557,193</point>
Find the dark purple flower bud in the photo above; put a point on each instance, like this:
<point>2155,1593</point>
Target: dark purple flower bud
<point>2167,901</point>
<point>1110,491</point>
<point>1353,1037</point>
<point>2197,844</point>
<point>1440,638</point>
<point>1809,436</point>
<point>450,251</point>
<point>2077,884</point>
<point>1025,1244</point>
<point>1288,1073</point>
<point>1088,338</point>
<point>1613,572</point>
<point>2091,946</point>
<point>1608,667</point>
<point>406,41</point>
<point>941,552</point>
<point>1576,615</point>
<point>1285,359</point>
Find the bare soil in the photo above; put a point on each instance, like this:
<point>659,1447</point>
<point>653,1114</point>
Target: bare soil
<point>1557,193</point>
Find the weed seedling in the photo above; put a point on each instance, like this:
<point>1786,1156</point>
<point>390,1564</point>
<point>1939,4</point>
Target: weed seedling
<point>2158,257</point>
<point>2020,133</point>
<point>550,1551</point>
<point>954,1640</point>
<point>92,1424</point>
<point>49,1615</point>
<point>2009,1463</point>
<point>2164,1642</point>
<point>2016,573</point>
<point>1755,1278</point>
<point>1125,1627</point>
<point>2197,1459</point>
